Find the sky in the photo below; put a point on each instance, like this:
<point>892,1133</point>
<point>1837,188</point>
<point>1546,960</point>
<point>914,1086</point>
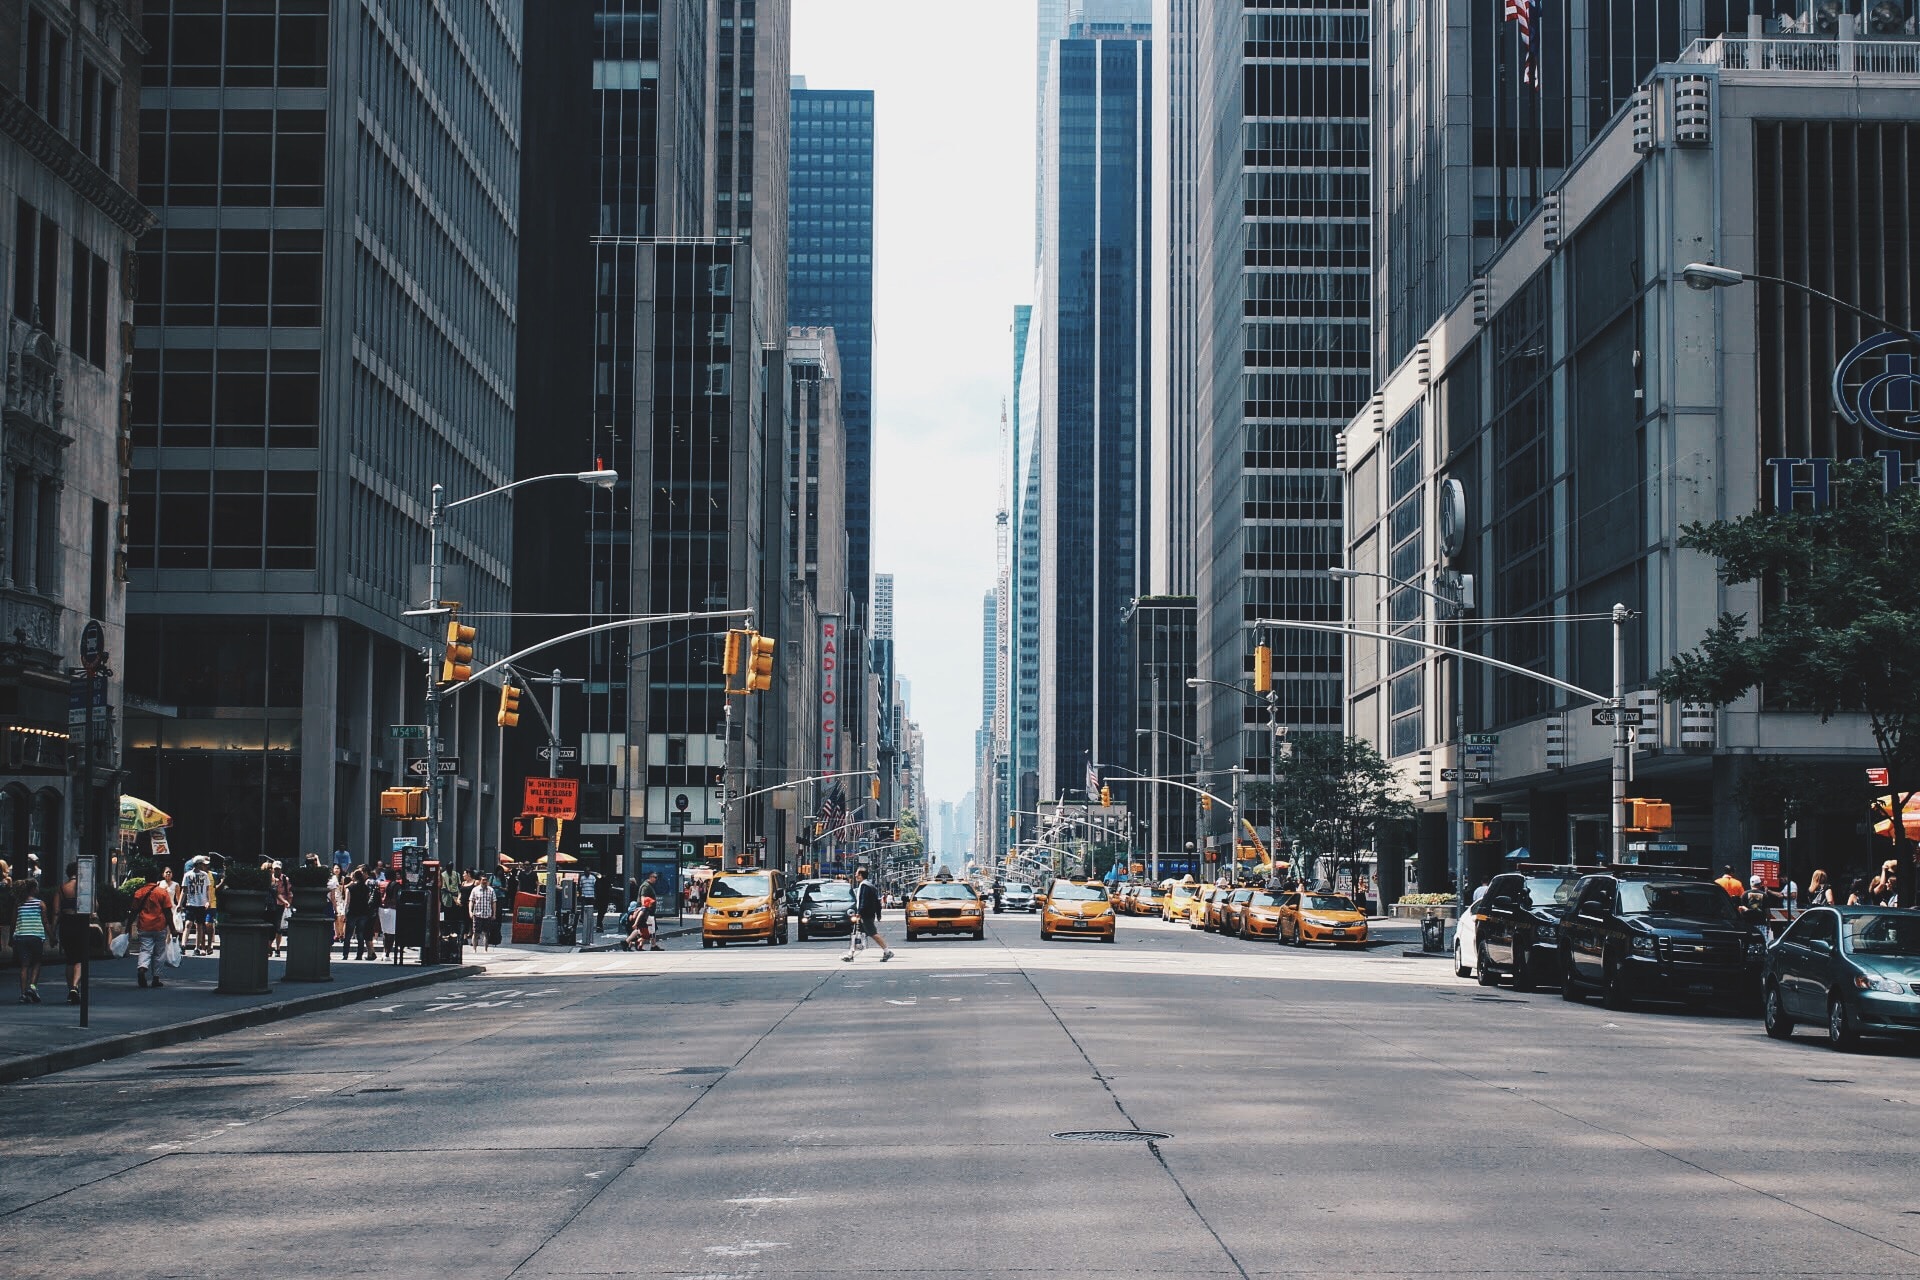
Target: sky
<point>953,255</point>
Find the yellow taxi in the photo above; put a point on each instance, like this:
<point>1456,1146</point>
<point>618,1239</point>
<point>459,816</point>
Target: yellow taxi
<point>745,906</point>
<point>945,905</point>
<point>1197,912</point>
<point>1179,902</point>
<point>1216,921</point>
<point>1076,908</point>
<point>1260,917</point>
<point>1148,900</point>
<point>1306,916</point>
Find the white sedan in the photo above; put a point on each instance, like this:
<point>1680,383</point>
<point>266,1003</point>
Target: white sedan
<point>1466,943</point>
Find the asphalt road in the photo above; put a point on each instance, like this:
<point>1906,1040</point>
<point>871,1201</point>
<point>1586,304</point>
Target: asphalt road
<point>774,1112</point>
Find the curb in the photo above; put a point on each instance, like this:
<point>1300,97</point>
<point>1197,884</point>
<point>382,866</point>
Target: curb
<point>110,1047</point>
<point>613,940</point>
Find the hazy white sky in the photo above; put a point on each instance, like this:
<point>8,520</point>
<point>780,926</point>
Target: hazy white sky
<point>953,254</point>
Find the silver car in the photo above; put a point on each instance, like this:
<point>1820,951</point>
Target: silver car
<point>1017,897</point>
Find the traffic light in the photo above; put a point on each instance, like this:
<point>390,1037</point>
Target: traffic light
<point>730,661</point>
<point>1476,829</point>
<point>759,663</point>
<point>509,713</point>
<point>530,826</point>
<point>1262,668</point>
<point>1106,796</point>
<point>876,787</point>
<point>896,835</point>
<point>1649,815</point>
<point>403,802</point>
<point>457,659</point>
<point>1206,803</point>
<point>713,851</point>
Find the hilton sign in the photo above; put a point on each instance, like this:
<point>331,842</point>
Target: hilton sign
<point>1873,387</point>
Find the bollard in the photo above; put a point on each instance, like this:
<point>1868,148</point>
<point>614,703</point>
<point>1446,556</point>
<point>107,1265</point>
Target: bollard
<point>1433,932</point>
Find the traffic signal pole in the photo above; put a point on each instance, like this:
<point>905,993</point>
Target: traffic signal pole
<point>436,571</point>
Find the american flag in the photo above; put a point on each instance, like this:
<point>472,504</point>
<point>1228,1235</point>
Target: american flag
<point>1093,781</point>
<point>833,812</point>
<point>1521,11</point>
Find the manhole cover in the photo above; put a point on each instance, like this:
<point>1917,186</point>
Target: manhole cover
<point>699,1071</point>
<point>1112,1135</point>
<point>198,1066</point>
<point>384,1088</point>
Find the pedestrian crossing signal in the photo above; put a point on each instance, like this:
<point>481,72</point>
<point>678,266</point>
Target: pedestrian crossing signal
<point>531,826</point>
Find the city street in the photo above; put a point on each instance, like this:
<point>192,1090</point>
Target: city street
<point>774,1111</point>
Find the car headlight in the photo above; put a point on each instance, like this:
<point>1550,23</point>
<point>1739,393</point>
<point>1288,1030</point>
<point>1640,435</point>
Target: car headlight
<point>1878,984</point>
<point>1757,947</point>
<point>1642,944</point>
<point>1545,932</point>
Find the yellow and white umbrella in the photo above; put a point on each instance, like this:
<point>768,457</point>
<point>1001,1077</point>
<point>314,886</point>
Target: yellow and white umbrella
<point>142,815</point>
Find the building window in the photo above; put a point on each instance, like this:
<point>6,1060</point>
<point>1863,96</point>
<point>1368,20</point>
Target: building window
<point>36,266</point>
<point>99,115</point>
<point>46,69</point>
<point>99,561</point>
<point>87,330</point>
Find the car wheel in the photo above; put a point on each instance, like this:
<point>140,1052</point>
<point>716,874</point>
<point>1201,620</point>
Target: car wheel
<point>1489,976</point>
<point>1299,935</point>
<point>1523,974</point>
<point>706,942</point>
<point>1841,1034</point>
<point>912,936</point>
<point>803,935</point>
<point>980,933</point>
<point>1778,1024</point>
<point>1613,988</point>
<point>1110,938</point>
<point>1460,970</point>
<point>1045,936</point>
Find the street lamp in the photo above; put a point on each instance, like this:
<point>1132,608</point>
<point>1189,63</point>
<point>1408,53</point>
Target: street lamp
<point>434,605</point>
<point>1705,276</point>
<point>1457,795</point>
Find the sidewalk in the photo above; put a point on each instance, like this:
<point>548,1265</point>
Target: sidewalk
<point>38,1039</point>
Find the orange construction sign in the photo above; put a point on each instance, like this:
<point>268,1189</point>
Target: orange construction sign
<point>552,797</point>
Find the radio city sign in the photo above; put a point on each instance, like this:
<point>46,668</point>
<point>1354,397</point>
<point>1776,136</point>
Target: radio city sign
<point>1873,387</point>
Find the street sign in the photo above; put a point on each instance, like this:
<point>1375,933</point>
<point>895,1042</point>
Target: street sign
<point>1619,715</point>
<point>406,731</point>
<point>1876,777</point>
<point>84,694</point>
<point>552,797</point>
<point>93,645</point>
<point>1473,775</point>
<point>448,764</point>
<point>676,822</point>
<point>1483,739</point>
<point>563,753</point>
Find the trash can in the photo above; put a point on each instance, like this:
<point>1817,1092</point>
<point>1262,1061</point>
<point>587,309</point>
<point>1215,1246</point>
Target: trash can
<point>1433,932</point>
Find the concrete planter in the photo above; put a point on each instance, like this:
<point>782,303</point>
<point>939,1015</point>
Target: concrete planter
<point>310,937</point>
<point>1410,911</point>
<point>246,935</point>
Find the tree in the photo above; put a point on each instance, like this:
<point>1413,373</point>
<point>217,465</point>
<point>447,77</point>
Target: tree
<point>1840,629</point>
<point>1333,795</point>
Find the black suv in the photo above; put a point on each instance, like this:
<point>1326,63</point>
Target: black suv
<point>1518,930</point>
<point>1666,935</point>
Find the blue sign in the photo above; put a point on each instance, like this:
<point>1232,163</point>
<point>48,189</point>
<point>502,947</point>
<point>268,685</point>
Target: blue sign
<point>1882,401</point>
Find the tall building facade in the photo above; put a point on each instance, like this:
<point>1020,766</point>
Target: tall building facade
<point>69,83</point>
<point>325,329</point>
<point>1170,434</point>
<point>1283,350</point>
<point>1023,615</point>
<point>1092,313</point>
<point>818,597</point>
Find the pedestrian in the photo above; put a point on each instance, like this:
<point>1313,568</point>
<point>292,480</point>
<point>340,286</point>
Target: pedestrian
<point>866,905</point>
<point>589,897</point>
<point>7,900</point>
<point>1758,901</point>
<point>361,916</point>
<point>650,888</point>
<point>196,895</point>
<point>1884,889</point>
<point>390,918</point>
<point>643,931</point>
<point>1857,894</point>
<point>76,929</point>
<point>601,895</point>
<point>29,936</point>
<point>483,909</point>
<point>1819,891</point>
<point>1731,883</point>
<point>337,895</point>
<point>343,860</point>
<point>281,908</point>
<point>152,925</point>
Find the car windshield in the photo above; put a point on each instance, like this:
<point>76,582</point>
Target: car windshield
<point>1068,891</point>
<point>944,891</point>
<point>1019,888</point>
<point>1879,935</point>
<point>1696,901</point>
<point>741,887</point>
<point>1325,902</point>
<point>1548,891</point>
<point>837,892</point>
<point>1265,899</point>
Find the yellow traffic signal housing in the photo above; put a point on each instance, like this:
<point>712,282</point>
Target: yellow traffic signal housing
<point>509,714</point>
<point>403,802</point>
<point>1206,803</point>
<point>876,787</point>
<point>1476,829</point>
<point>1106,796</point>
<point>730,661</point>
<point>759,663</point>
<point>456,663</point>
<point>1262,668</point>
<point>713,850</point>
<point>1649,815</point>
<point>531,826</point>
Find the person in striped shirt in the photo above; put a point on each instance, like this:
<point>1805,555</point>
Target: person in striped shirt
<point>29,937</point>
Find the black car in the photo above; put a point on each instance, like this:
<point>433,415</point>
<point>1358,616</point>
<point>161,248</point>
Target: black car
<point>1852,970</point>
<point>1646,934</point>
<point>1518,926</point>
<point>825,910</point>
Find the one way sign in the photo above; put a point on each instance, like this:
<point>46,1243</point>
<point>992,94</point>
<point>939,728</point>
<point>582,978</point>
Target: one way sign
<point>448,764</point>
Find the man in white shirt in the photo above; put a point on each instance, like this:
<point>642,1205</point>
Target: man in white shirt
<point>197,897</point>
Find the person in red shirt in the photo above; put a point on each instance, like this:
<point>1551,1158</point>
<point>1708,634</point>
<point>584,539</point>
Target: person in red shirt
<point>152,926</point>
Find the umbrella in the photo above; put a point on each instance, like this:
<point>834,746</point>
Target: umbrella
<point>1519,855</point>
<point>1909,816</point>
<point>140,815</point>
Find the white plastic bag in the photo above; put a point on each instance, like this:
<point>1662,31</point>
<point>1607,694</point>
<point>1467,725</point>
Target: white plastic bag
<point>119,944</point>
<point>173,953</point>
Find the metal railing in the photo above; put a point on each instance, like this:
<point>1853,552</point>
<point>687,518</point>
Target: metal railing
<point>1807,53</point>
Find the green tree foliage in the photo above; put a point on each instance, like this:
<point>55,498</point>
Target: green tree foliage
<point>1333,795</point>
<point>1840,630</point>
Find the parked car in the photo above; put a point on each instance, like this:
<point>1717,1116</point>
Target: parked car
<point>1466,940</point>
<point>1230,910</point>
<point>1178,902</point>
<point>1260,917</point>
<point>1854,969</point>
<point>1307,916</point>
<point>1217,909</point>
<point>1516,930</point>
<point>1017,896</point>
<point>1652,933</point>
<point>1197,911</point>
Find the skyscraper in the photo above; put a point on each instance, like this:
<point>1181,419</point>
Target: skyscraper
<point>326,329</point>
<point>1092,314</point>
<point>1283,347</point>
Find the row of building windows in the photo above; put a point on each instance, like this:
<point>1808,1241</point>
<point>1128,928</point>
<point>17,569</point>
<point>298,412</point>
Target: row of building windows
<point>232,157</point>
<point>225,519</point>
<point>231,398</point>
<point>83,105</point>
<point>236,44</point>
<point>37,242</point>
<point>230,276</point>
